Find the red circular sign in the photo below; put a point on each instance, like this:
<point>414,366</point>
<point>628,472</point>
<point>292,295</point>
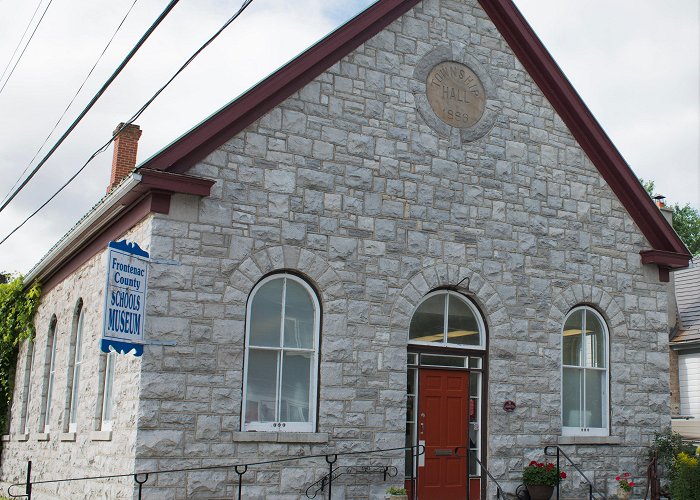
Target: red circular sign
<point>509,406</point>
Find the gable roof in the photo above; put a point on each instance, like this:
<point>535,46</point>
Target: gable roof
<point>668,251</point>
<point>687,290</point>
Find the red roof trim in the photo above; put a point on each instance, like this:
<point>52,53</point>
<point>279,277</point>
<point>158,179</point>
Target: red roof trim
<point>232,119</point>
<point>99,243</point>
<point>671,260</point>
<point>213,132</point>
<point>584,127</point>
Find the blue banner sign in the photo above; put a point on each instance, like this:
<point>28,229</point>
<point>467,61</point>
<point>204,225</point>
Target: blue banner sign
<point>125,298</point>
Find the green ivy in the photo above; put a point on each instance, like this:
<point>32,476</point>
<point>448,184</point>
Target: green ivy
<point>17,308</point>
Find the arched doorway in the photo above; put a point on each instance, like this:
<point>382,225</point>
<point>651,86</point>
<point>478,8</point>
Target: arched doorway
<point>446,389</point>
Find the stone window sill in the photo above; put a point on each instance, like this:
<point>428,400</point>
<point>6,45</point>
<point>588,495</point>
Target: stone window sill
<point>67,437</point>
<point>101,436</point>
<point>5,438</point>
<point>280,437</point>
<point>42,436</point>
<point>593,440</point>
<point>22,437</point>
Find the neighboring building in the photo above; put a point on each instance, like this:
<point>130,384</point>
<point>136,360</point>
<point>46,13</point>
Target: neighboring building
<point>685,355</point>
<point>417,212</point>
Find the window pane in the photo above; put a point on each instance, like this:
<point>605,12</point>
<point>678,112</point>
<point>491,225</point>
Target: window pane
<point>107,394</point>
<point>595,341</point>
<point>266,315</point>
<point>427,324</point>
<point>74,396</point>
<point>462,327</point>
<point>77,360</point>
<point>411,381</point>
<point>571,397</point>
<point>79,338</point>
<point>261,386</point>
<point>49,392</point>
<point>27,386</point>
<point>572,339</point>
<point>409,453</point>
<point>296,378</point>
<point>595,394</point>
<point>438,360</point>
<point>298,317</point>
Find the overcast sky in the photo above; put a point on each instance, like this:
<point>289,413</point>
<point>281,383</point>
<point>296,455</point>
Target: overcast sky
<point>634,62</point>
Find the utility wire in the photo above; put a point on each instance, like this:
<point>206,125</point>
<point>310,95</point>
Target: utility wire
<point>14,53</point>
<point>143,108</point>
<point>25,47</point>
<point>72,100</point>
<point>92,102</point>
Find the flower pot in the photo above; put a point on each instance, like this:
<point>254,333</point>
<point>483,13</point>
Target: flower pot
<point>397,497</point>
<point>540,491</point>
<point>623,495</point>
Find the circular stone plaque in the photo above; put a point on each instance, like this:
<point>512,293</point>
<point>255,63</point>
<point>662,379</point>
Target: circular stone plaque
<point>456,94</point>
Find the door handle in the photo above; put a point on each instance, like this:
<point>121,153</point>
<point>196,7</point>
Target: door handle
<point>422,423</point>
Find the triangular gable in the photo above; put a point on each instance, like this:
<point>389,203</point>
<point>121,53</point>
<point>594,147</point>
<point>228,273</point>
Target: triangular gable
<point>668,251</point>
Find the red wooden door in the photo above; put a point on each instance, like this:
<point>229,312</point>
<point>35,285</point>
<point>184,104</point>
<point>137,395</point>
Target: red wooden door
<point>442,424</point>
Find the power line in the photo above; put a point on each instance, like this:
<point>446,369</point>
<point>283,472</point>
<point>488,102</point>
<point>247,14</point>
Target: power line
<point>4,71</point>
<point>92,102</point>
<point>27,45</point>
<point>143,108</point>
<point>72,100</point>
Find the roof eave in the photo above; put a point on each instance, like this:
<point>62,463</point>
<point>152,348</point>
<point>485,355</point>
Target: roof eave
<point>157,186</point>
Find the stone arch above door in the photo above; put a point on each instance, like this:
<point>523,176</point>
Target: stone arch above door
<point>459,278</point>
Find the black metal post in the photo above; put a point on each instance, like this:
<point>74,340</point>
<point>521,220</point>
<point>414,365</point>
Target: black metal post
<point>28,487</point>
<point>590,491</point>
<point>140,483</point>
<point>558,473</point>
<point>330,474</point>
<point>414,464</point>
<point>240,470</point>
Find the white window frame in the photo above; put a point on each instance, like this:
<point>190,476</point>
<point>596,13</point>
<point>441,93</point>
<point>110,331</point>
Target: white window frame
<point>53,339</point>
<point>445,343</point>
<point>605,396</point>
<point>107,418</point>
<point>75,380</point>
<point>309,426</point>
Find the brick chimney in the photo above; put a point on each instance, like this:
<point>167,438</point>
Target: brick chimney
<point>667,212</point>
<point>126,144</point>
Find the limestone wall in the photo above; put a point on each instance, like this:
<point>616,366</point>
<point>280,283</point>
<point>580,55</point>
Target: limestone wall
<point>352,183</point>
<point>89,451</point>
<point>349,184</point>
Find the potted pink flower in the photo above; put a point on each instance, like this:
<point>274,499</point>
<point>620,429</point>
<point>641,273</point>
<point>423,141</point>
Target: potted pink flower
<point>624,485</point>
<point>541,478</point>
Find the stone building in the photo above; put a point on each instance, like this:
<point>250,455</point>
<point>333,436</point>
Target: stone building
<point>413,233</point>
<point>685,354</point>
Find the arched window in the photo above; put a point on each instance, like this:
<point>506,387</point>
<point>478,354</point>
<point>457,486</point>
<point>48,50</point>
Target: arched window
<point>447,318</point>
<point>104,391</point>
<point>76,360</point>
<point>281,356</point>
<point>584,388</point>
<point>27,386</point>
<point>49,373</point>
